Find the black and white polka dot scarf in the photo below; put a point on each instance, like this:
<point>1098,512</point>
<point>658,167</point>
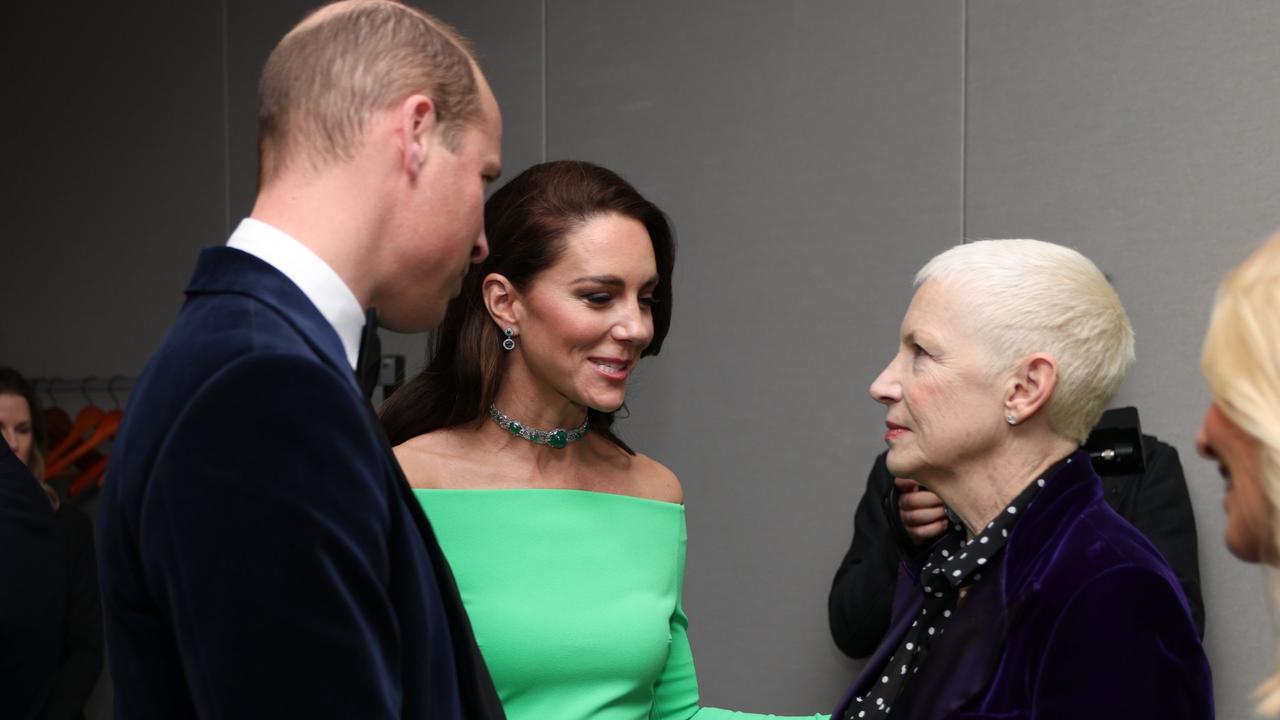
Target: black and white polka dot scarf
<point>953,564</point>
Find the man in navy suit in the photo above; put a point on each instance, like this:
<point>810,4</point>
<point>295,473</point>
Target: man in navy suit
<point>260,551</point>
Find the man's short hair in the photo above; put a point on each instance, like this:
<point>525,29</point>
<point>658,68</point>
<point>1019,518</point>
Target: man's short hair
<point>1029,296</point>
<point>348,60</point>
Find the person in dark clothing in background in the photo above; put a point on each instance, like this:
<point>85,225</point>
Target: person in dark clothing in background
<point>82,646</point>
<point>31,591</point>
<point>78,646</point>
<point>1151,495</point>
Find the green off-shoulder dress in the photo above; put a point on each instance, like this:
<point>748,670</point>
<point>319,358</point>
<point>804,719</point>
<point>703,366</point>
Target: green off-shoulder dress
<point>574,598</point>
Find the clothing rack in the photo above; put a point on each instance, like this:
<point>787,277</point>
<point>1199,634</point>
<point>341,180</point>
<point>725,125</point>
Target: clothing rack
<point>117,387</point>
<point>79,457</point>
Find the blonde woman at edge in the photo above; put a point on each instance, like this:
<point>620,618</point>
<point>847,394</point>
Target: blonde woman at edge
<point>1241,430</point>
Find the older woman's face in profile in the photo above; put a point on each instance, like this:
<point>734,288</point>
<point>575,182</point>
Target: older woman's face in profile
<point>1236,453</point>
<point>943,406</point>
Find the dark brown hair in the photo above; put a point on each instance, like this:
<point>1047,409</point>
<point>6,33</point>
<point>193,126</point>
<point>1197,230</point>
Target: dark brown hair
<point>12,383</point>
<point>348,60</point>
<point>526,223</point>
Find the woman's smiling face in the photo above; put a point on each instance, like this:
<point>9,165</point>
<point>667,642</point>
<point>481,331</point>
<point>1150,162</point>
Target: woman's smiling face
<point>586,319</point>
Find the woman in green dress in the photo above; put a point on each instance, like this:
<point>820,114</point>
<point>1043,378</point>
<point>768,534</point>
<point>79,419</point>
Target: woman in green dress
<point>568,547</point>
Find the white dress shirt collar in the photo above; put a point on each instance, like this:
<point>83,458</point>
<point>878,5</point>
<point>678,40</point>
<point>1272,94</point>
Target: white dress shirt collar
<point>310,273</point>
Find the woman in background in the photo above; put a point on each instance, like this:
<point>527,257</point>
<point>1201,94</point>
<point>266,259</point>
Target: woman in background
<point>1241,430</point>
<point>568,547</point>
<point>1039,601</point>
<point>80,660</point>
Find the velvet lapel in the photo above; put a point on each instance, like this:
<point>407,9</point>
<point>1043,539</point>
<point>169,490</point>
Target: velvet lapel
<point>908,599</point>
<point>227,270</point>
<point>1065,495</point>
<point>962,667</point>
<point>956,669</point>
<point>479,694</point>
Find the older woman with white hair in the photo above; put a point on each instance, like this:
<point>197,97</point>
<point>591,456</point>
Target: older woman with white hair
<point>1040,602</point>
<point>1241,430</point>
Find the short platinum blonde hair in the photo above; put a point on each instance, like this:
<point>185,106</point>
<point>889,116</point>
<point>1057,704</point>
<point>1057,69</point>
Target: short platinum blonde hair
<point>1241,363</point>
<point>1029,296</point>
<point>344,62</point>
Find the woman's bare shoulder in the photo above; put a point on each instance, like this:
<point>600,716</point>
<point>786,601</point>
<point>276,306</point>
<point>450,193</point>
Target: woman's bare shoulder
<point>431,461</point>
<point>651,479</point>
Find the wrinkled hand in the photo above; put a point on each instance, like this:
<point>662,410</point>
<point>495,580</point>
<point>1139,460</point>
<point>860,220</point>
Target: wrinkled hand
<point>923,514</point>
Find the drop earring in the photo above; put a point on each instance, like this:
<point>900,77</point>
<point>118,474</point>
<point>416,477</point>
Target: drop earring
<point>509,342</point>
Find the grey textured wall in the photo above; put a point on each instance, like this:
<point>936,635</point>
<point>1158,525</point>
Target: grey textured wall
<point>1143,134</point>
<point>812,155</point>
<point>809,154</point>
<point>114,178</point>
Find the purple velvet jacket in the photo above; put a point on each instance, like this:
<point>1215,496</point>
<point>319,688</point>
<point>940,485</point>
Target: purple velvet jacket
<point>1082,619</point>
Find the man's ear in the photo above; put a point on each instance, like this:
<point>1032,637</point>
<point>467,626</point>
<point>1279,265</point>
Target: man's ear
<point>502,300</point>
<point>1031,386</point>
<point>418,125</point>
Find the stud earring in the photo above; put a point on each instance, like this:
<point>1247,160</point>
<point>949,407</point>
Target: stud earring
<point>1011,419</point>
<point>509,343</point>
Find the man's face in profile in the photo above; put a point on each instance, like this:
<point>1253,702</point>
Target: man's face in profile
<point>444,231</point>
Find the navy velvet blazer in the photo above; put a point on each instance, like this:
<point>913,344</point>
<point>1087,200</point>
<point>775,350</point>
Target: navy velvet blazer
<point>261,554</point>
<point>1082,619</point>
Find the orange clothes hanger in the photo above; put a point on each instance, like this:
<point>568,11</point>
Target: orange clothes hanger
<point>86,420</point>
<point>57,423</point>
<point>89,478</point>
<point>105,430</point>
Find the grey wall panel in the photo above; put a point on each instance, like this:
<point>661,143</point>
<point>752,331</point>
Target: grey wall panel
<point>507,36</point>
<point>115,177</point>
<point>809,155</point>
<point>253,29</point>
<point>1141,133</point>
